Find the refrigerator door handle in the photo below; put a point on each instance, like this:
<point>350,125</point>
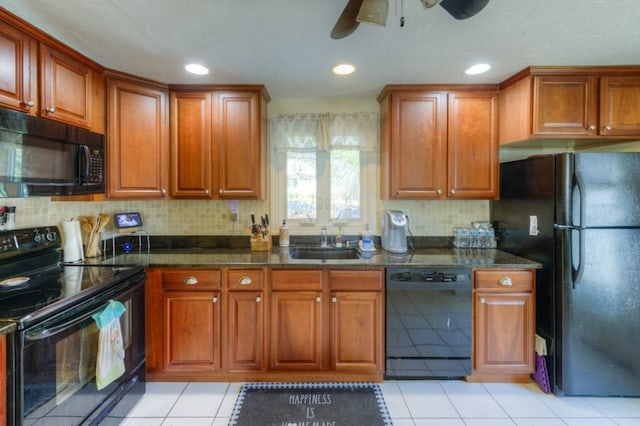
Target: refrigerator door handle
<point>577,272</point>
<point>577,191</point>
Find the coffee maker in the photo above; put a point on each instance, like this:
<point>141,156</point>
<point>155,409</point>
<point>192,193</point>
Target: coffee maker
<point>394,226</point>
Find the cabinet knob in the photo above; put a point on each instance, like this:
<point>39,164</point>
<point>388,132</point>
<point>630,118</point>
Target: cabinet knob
<point>453,191</point>
<point>51,109</point>
<point>244,280</point>
<point>206,192</point>
<point>163,191</point>
<point>482,300</point>
<point>215,300</point>
<point>190,280</point>
<point>318,299</point>
<point>28,103</point>
<point>439,192</point>
<point>591,128</point>
<point>505,281</point>
<point>220,191</point>
<point>607,128</point>
<point>258,299</point>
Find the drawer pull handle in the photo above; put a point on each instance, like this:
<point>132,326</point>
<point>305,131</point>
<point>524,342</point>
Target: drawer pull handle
<point>191,280</point>
<point>258,299</point>
<point>244,280</point>
<point>505,281</point>
<point>215,300</point>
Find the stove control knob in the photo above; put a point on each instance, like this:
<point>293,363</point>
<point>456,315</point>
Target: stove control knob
<point>51,236</point>
<point>38,238</point>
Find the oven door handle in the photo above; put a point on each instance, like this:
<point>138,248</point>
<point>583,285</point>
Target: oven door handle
<point>44,333</point>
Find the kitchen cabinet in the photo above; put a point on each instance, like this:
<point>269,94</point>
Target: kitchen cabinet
<point>245,320</point>
<point>571,103</point>
<point>356,320</point>
<point>504,325</point>
<point>41,76</point>
<point>439,142</point>
<point>218,142</point>
<point>346,304</point>
<point>192,319</point>
<point>18,74</point>
<point>138,138</point>
<point>297,318</point>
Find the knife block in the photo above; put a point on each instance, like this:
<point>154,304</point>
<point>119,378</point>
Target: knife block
<point>258,243</point>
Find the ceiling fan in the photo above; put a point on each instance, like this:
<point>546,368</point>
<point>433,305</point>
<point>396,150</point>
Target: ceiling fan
<point>375,12</point>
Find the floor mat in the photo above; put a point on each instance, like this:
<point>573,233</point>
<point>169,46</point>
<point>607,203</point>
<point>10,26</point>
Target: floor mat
<point>310,404</point>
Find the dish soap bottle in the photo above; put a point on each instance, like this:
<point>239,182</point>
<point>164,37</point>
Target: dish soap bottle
<point>367,244</point>
<point>339,238</point>
<point>284,235</point>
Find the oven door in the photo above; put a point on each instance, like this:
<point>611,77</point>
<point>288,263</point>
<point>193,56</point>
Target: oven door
<point>57,361</point>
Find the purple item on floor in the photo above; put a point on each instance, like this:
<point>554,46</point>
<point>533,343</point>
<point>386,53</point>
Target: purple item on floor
<point>542,375</point>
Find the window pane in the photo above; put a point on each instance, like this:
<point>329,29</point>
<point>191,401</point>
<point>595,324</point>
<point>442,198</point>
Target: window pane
<point>301,185</point>
<point>345,184</point>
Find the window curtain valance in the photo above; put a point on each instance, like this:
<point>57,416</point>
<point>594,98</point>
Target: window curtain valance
<point>321,132</point>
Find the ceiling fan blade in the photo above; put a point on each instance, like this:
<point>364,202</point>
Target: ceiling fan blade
<point>463,9</point>
<point>347,23</point>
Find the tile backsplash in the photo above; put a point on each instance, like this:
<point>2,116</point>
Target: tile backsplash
<point>200,217</point>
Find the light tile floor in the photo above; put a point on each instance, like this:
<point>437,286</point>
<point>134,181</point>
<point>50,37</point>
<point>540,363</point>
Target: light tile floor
<point>414,403</point>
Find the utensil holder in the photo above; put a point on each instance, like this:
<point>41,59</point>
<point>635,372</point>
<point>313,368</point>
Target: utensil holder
<point>93,245</point>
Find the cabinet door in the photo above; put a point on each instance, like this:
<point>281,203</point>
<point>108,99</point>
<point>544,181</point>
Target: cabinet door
<point>238,144</point>
<point>245,325</point>
<point>65,88</point>
<point>3,380</point>
<point>356,331</point>
<point>138,139</point>
<point>472,145</point>
<point>192,330</point>
<point>18,73</point>
<point>565,106</point>
<point>296,330</point>
<point>504,327</point>
<point>417,149</point>
<point>191,145</point>
<point>620,106</point>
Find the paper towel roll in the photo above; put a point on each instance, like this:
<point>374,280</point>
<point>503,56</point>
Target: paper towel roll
<point>73,250</point>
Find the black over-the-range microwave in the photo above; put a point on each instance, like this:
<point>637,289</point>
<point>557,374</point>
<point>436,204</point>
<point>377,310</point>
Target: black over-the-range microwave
<point>39,156</point>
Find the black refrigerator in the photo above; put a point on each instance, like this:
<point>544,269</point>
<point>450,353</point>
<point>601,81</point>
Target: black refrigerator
<point>579,216</point>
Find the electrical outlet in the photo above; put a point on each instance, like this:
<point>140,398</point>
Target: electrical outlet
<point>234,215</point>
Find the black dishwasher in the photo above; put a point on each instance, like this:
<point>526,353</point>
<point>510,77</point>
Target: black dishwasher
<point>428,324</point>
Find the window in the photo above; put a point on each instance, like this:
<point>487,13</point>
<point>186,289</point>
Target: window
<point>324,170</point>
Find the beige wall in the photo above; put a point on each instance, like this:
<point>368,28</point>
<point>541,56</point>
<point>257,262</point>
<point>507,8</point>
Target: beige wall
<point>200,217</point>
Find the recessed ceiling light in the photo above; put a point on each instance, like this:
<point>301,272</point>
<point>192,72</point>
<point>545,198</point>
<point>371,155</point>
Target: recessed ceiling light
<point>197,69</point>
<point>477,69</point>
<point>343,69</point>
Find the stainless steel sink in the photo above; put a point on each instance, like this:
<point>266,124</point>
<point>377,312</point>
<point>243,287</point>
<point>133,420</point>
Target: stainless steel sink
<point>323,253</point>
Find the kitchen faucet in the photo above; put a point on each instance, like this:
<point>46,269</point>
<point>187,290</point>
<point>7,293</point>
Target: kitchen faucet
<point>323,237</point>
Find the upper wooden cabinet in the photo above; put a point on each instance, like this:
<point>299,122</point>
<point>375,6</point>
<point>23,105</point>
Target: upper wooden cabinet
<point>438,144</point>
<point>218,142</point>
<point>18,73</point>
<point>138,138</point>
<point>70,87</point>
<point>571,103</point>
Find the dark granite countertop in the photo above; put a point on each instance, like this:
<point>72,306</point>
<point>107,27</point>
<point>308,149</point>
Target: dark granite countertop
<point>7,327</point>
<point>278,257</point>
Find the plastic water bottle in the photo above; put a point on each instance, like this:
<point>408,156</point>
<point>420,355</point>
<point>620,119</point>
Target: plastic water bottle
<point>367,244</point>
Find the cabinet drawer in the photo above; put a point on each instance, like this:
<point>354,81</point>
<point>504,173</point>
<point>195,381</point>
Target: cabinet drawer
<point>308,279</point>
<point>245,279</point>
<point>356,280</point>
<point>505,280</point>
<point>191,279</point>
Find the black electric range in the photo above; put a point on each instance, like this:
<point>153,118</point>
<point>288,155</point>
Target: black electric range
<point>53,356</point>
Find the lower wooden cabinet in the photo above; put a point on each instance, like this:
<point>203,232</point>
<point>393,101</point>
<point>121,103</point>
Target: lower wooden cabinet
<point>257,324</point>
<point>504,325</point>
<point>244,347</point>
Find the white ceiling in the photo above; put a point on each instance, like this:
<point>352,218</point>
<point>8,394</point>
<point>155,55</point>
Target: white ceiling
<point>285,44</point>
